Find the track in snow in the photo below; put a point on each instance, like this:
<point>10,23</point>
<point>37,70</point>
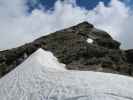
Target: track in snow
<point>42,77</point>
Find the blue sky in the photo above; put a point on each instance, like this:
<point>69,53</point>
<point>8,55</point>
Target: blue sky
<point>88,4</point>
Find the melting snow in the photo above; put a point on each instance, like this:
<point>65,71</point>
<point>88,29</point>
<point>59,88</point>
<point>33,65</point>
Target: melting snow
<point>42,77</point>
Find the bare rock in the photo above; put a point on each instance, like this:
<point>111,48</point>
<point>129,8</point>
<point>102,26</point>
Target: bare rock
<point>70,46</point>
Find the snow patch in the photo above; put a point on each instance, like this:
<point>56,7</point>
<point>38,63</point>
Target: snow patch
<point>35,79</point>
<point>47,59</point>
<point>41,59</point>
<point>89,40</point>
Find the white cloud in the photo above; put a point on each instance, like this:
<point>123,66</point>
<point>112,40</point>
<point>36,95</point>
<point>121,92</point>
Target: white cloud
<point>17,28</point>
<point>112,19</point>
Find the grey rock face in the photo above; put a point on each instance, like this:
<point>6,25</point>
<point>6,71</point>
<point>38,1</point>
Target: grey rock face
<point>70,46</point>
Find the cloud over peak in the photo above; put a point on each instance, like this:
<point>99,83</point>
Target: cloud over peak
<point>17,27</point>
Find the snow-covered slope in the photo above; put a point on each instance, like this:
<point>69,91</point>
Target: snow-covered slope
<point>42,77</point>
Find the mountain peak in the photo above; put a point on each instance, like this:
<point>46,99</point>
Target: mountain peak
<point>81,47</point>
<point>85,24</point>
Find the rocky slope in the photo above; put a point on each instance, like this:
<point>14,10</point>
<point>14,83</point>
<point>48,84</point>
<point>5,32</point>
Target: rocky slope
<point>70,46</point>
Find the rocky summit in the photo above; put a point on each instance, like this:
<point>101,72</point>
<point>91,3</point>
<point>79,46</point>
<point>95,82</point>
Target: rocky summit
<point>81,47</point>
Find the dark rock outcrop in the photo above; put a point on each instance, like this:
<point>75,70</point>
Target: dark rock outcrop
<point>129,56</point>
<point>70,46</point>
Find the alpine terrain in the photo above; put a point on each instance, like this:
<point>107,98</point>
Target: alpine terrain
<point>77,63</point>
<point>81,47</point>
